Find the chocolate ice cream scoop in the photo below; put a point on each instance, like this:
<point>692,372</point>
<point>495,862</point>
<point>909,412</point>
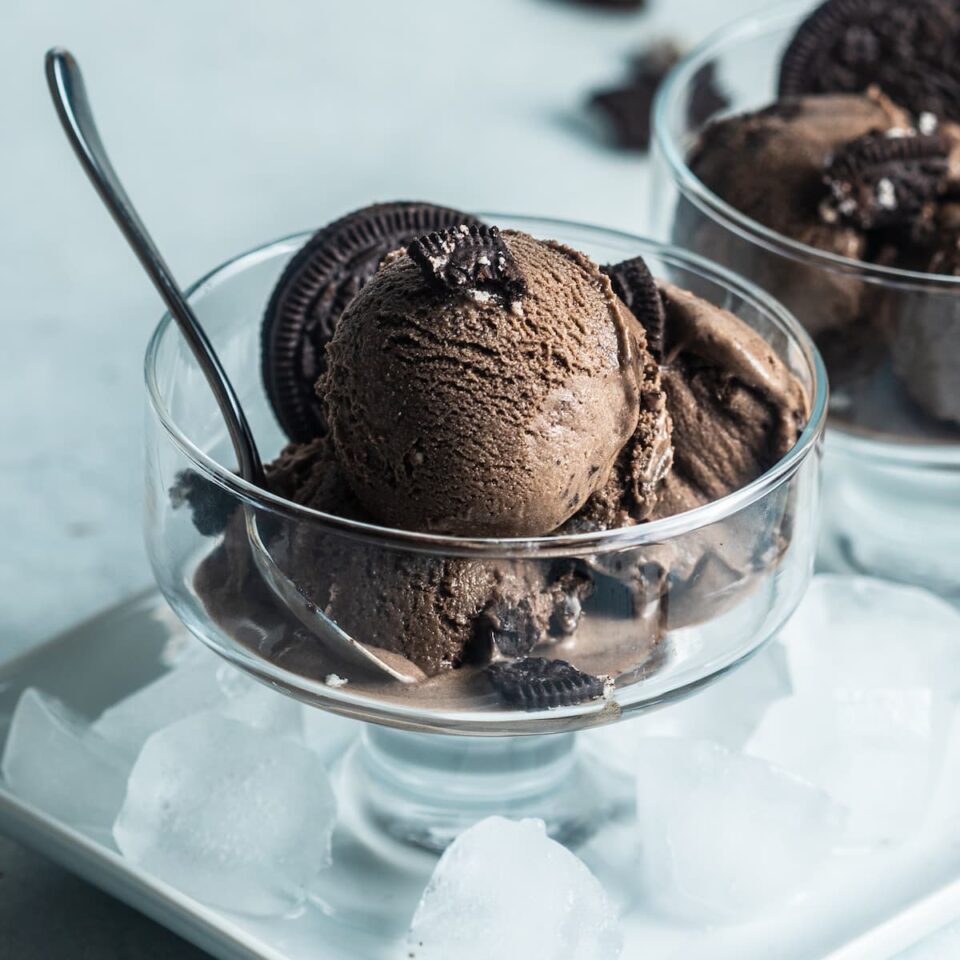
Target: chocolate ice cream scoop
<point>471,396</point>
<point>436,613</point>
<point>770,164</point>
<point>736,407</point>
<point>849,174</point>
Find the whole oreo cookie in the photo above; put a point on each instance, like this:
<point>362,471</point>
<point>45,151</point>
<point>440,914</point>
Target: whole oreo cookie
<point>908,49</point>
<point>535,683</point>
<point>316,286</point>
<point>633,283</point>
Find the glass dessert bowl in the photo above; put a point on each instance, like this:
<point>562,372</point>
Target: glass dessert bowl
<point>888,333</point>
<point>672,603</point>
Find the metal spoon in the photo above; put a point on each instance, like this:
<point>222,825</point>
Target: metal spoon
<point>70,98</point>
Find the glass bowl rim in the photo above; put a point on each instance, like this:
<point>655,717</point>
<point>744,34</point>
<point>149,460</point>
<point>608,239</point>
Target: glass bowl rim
<point>650,532</point>
<point>679,80</point>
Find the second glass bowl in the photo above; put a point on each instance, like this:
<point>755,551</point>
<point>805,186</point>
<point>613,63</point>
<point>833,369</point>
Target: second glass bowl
<point>892,472</point>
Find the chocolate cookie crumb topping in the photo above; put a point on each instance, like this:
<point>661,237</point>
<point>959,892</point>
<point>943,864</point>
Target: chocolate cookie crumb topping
<point>628,106</point>
<point>511,629</point>
<point>211,507</point>
<point>473,260</point>
<point>707,97</point>
<point>879,180</point>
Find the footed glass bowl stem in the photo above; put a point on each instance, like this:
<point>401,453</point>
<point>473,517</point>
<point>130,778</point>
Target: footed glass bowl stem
<point>425,789</point>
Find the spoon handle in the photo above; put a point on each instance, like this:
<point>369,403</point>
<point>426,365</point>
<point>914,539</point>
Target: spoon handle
<point>70,98</point>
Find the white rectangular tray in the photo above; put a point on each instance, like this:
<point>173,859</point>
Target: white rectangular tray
<point>864,908</point>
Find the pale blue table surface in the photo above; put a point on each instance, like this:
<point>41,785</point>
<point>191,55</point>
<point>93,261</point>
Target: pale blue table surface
<point>233,122</point>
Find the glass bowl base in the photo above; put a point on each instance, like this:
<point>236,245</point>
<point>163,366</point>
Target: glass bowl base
<point>404,797</point>
<point>889,516</point>
<point>423,790</point>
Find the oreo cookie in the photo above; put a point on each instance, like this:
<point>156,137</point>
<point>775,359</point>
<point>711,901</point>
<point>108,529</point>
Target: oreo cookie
<point>511,629</point>
<point>211,506</point>
<point>628,107</point>
<point>471,260</point>
<point>907,49</point>
<point>881,181</point>
<point>633,283</point>
<point>316,286</point>
<point>707,96</point>
<point>536,683</point>
<point>572,585</point>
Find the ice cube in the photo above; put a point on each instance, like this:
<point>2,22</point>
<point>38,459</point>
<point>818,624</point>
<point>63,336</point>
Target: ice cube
<point>233,681</point>
<point>876,670</point>
<point>181,646</point>
<point>878,752</point>
<point>724,836</point>
<point>265,709</point>
<point>327,734</point>
<point>504,889</point>
<point>858,632</point>
<point>183,691</point>
<point>727,711</point>
<point>251,702</point>
<point>53,761</point>
<point>230,815</point>
<point>258,705</point>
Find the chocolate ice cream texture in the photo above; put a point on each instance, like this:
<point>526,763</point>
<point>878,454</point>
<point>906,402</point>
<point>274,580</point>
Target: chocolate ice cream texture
<point>478,416</point>
<point>736,408</point>
<point>770,166</point>
<point>521,404</point>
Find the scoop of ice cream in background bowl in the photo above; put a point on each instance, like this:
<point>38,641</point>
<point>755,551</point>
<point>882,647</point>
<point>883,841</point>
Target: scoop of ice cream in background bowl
<point>830,184</point>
